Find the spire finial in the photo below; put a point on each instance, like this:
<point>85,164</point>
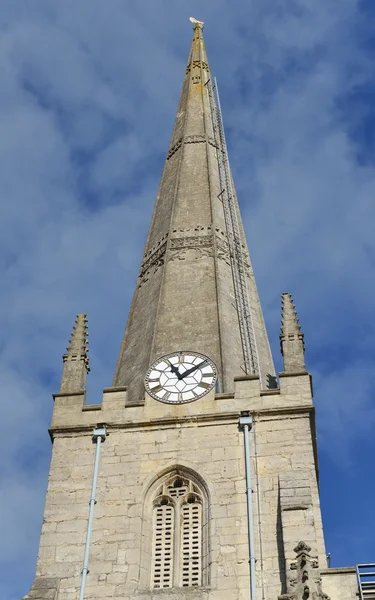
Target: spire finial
<point>197,23</point>
<point>291,337</point>
<point>76,361</point>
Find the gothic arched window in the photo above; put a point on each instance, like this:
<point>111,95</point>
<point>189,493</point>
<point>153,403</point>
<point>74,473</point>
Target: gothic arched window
<point>178,509</point>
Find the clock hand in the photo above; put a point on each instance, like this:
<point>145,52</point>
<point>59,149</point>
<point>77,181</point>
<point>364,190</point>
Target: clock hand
<point>189,371</point>
<point>174,370</point>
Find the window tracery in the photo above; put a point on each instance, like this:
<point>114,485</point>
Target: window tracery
<point>177,538</point>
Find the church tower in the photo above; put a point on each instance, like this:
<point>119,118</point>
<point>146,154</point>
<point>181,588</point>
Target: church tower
<point>197,475</point>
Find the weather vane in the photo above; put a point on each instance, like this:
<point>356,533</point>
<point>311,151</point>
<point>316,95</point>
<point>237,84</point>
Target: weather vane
<point>200,23</point>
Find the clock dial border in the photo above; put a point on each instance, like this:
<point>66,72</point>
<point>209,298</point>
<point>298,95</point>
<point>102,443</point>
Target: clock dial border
<point>180,400</point>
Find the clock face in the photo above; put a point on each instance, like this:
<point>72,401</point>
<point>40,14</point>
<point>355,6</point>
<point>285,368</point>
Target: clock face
<point>180,377</point>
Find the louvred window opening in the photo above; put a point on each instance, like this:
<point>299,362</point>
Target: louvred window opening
<point>177,535</point>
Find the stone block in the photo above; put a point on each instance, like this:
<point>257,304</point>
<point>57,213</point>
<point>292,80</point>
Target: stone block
<point>211,447</point>
<point>43,588</point>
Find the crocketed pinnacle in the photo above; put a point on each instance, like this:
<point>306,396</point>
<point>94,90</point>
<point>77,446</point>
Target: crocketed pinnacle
<point>185,297</point>
<point>291,337</point>
<point>76,361</point>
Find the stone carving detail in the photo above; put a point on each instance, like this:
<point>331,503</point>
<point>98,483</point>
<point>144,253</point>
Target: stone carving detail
<point>212,142</point>
<point>222,248</point>
<point>155,247</point>
<point>202,243</point>
<point>200,239</point>
<point>197,64</point>
<point>248,269</point>
<point>194,139</point>
<point>188,231</point>
<point>200,252</point>
<point>305,583</point>
<point>191,242</point>
<point>223,251</point>
<point>190,139</point>
<point>174,148</point>
<point>153,259</point>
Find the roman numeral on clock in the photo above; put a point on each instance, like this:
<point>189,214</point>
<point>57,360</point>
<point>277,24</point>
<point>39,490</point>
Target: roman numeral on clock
<point>204,385</point>
<point>156,389</point>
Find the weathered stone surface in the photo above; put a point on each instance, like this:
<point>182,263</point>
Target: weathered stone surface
<point>304,579</point>
<point>76,362</point>
<point>204,437</point>
<point>187,250</point>
<point>43,588</point>
<point>340,583</point>
<point>291,337</point>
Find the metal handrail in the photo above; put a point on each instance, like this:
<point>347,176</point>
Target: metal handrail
<point>365,587</point>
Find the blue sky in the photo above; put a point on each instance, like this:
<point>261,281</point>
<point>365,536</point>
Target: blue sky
<point>87,103</point>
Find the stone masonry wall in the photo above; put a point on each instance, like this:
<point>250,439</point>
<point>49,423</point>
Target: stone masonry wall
<point>203,437</point>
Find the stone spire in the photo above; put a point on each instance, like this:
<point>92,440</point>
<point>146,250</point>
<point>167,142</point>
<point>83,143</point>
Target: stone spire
<point>291,337</point>
<point>76,361</point>
<point>185,299</point>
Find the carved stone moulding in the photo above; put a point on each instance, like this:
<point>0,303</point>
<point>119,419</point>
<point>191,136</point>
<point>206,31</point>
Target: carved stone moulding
<point>203,241</point>
<point>202,245</point>
<point>194,139</point>
<point>152,263</point>
<point>222,250</point>
<point>173,149</point>
<point>197,64</point>
<point>190,139</point>
<point>200,64</point>
<point>302,547</point>
<point>189,231</point>
<point>154,248</point>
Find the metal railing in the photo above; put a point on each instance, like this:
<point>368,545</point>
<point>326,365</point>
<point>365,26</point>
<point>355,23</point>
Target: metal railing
<point>366,581</point>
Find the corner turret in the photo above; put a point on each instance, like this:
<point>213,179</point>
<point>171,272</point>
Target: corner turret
<point>291,338</point>
<point>76,361</point>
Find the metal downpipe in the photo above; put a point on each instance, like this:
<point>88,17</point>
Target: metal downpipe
<point>245,424</point>
<point>98,436</point>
